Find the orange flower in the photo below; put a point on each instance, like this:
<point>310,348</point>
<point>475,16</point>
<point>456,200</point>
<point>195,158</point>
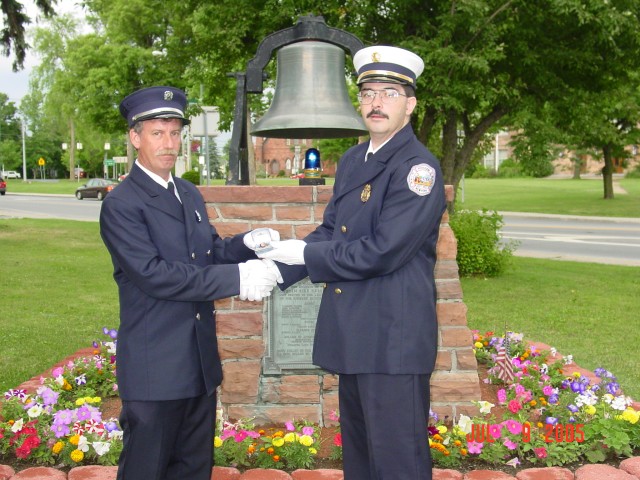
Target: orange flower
<point>446,453</point>
<point>251,449</point>
<point>463,451</point>
<point>533,403</point>
<point>270,450</point>
<point>261,432</point>
<point>457,443</point>
<point>276,458</point>
<point>277,434</point>
<point>437,437</point>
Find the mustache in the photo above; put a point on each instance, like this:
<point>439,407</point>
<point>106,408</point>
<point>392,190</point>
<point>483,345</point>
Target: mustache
<point>167,152</point>
<point>377,112</point>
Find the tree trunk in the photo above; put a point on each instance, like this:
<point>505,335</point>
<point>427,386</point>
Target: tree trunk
<point>577,165</point>
<point>607,172</point>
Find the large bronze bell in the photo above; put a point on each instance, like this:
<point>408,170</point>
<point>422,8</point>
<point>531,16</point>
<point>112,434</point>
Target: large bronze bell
<point>311,99</point>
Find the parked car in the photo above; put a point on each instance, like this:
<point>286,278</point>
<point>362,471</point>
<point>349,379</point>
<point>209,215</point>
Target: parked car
<point>3,186</point>
<point>12,174</point>
<point>95,188</point>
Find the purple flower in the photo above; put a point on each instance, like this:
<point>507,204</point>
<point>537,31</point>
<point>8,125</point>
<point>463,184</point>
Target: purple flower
<point>551,420</point>
<point>95,344</point>
<point>111,426</point>
<point>600,372</point>
<point>553,398</point>
<point>613,387</point>
<point>105,330</point>
<point>432,414</point>
<point>63,417</point>
<point>81,379</point>
<point>578,387</point>
<point>83,413</point>
<point>49,397</point>
<point>573,408</point>
<point>60,429</point>
<point>113,333</point>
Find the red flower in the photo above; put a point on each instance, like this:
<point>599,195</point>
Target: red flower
<point>337,440</point>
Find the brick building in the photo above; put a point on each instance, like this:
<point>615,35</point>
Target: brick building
<point>273,155</point>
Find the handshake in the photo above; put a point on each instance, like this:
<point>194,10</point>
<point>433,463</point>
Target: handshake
<point>258,277</point>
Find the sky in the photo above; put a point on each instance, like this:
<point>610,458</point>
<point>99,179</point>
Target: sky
<point>16,85</point>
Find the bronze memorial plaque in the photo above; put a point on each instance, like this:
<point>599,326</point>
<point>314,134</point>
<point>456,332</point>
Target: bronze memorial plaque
<point>291,323</point>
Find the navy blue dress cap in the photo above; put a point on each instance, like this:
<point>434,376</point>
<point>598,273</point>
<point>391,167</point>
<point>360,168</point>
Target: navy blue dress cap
<point>386,64</point>
<point>154,102</point>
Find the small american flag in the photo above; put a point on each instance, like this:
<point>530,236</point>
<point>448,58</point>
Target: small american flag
<point>504,367</point>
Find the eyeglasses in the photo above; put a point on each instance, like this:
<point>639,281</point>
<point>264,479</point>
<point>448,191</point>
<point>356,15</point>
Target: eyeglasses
<point>388,95</point>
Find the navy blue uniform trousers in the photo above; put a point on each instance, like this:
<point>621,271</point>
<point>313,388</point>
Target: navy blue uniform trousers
<point>166,441</point>
<point>383,420</point>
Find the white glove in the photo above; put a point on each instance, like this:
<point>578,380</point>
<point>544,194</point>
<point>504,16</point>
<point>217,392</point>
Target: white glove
<point>256,280</point>
<point>259,240</point>
<point>290,252</point>
<point>274,268</point>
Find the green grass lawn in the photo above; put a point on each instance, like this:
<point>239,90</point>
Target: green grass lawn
<point>58,293</point>
<point>539,195</point>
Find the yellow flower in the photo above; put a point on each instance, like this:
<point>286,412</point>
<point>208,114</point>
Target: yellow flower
<point>66,385</point>
<point>478,345</point>
<point>630,415</point>
<point>217,442</point>
<point>589,409</point>
<point>80,401</point>
<point>290,437</point>
<point>57,447</point>
<point>430,442</point>
<point>306,440</point>
<point>313,451</point>
<point>442,429</point>
<point>278,442</point>
<point>77,455</point>
<point>97,399</point>
<point>74,439</point>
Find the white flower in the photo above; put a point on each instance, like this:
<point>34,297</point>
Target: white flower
<point>568,359</point>
<point>115,435</point>
<point>59,380</point>
<point>620,403</point>
<point>111,347</point>
<point>544,369</point>
<point>553,351</point>
<point>17,426</point>
<point>35,411</point>
<point>83,444</point>
<point>587,398</point>
<point>464,424</point>
<point>101,447</point>
<point>485,407</point>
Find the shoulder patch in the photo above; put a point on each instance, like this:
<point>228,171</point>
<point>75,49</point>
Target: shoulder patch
<point>421,179</point>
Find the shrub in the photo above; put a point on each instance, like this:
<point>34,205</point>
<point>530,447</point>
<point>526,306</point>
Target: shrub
<point>480,251</point>
<point>192,176</point>
<point>510,169</point>
<point>635,173</point>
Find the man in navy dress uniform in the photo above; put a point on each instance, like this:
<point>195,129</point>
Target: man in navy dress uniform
<point>169,264</point>
<point>375,252</point>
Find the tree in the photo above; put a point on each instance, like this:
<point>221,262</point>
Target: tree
<point>14,20</point>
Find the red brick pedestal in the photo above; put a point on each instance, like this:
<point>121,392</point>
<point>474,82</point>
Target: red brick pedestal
<point>246,392</point>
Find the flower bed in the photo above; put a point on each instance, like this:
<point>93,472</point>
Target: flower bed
<point>543,415</point>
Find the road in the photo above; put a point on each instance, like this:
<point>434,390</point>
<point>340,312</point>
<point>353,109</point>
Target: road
<point>584,239</point>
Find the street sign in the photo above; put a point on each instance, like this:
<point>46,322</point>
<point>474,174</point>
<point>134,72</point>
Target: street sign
<point>109,162</point>
<point>41,161</point>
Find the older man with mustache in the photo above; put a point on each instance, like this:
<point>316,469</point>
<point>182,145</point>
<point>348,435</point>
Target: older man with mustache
<point>169,265</point>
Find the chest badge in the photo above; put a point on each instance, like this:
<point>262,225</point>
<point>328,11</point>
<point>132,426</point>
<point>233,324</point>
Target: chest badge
<point>366,193</point>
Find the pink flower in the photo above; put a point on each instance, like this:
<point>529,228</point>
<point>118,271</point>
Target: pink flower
<point>547,390</point>
<point>56,372</point>
<point>289,426</point>
<point>514,427</point>
<point>514,462</point>
<point>510,444</point>
<point>540,452</point>
<point>307,431</point>
<point>475,447</point>
<point>337,440</point>
<point>520,389</point>
<point>502,395</point>
<point>515,406</point>
<point>495,430</point>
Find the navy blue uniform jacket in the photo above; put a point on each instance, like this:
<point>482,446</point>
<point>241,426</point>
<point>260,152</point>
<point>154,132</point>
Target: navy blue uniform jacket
<point>169,264</point>
<point>377,257</point>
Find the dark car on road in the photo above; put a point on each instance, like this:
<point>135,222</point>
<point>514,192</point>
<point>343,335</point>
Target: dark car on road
<point>3,186</point>
<point>95,188</point>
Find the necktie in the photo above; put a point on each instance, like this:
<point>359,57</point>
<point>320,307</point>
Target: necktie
<point>369,155</point>
<point>172,190</point>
